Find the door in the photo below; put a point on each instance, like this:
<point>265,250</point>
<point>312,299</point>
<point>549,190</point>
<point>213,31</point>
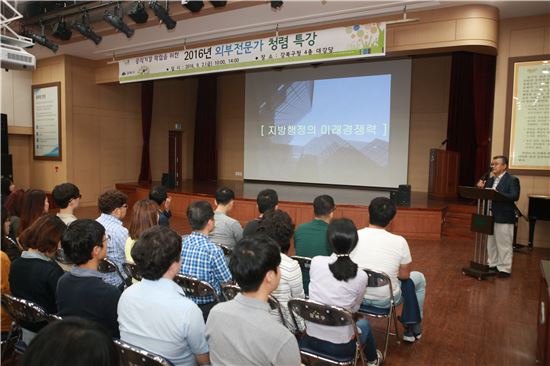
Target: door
<point>175,156</point>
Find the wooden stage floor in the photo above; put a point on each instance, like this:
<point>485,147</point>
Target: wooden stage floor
<point>466,321</point>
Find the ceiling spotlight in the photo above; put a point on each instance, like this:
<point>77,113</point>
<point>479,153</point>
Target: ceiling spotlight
<point>41,40</point>
<point>116,21</point>
<point>218,4</point>
<point>162,14</point>
<point>193,6</point>
<point>138,13</point>
<point>83,27</point>
<point>276,4</point>
<point>62,31</point>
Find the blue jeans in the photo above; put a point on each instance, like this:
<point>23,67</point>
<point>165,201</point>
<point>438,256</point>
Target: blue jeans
<point>345,349</point>
<point>420,287</point>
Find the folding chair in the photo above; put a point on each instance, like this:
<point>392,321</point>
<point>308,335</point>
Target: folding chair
<point>23,313</point>
<point>321,314</point>
<point>134,356</point>
<point>108,266</point>
<point>380,279</point>
<point>226,250</point>
<point>305,265</point>
<point>194,287</point>
<point>132,271</point>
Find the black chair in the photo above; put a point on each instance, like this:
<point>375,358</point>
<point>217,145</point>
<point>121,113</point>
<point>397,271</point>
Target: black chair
<point>380,279</point>
<point>305,265</point>
<point>194,287</point>
<point>226,250</point>
<point>330,316</point>
<point>132,271</point>
<point>23,313</point>
<point>108,266</point>
<point>134,356</point>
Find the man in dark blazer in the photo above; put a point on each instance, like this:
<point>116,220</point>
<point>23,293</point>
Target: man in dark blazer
<point>499,245</point>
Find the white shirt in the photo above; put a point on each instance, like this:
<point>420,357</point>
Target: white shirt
<point>326,289</point>
<point>382,251</point>
<point>291,285</point>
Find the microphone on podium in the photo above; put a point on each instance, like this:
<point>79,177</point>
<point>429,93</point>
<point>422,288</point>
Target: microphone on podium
<point>485,176</point>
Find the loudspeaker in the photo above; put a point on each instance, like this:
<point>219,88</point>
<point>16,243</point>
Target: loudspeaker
<point>7,168</point>
<point>5,149</point>
<point>168,180</point>
<point>404,195</point>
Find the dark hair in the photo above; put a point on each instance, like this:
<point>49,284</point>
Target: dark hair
<point>14,203</point>
<point>198,214</point>
<point>63,193</point>
<point>381,211</point>
<point>342,238</point>
<point>501,157</point>
<point>8,246</point>
<point>252,258</point>
<point>145,214</point>
<point>224,195</point>
<point>323,205</point>
<point>33,207</point>
<point>80,238</point>
<point>71,341</point>
<point>158,194</point>
<point>278,226</point>
<point>267,200</point>
<point>6,184</point>
<point>44,234</point>
<point>111,200</point>
<point>155,251</point>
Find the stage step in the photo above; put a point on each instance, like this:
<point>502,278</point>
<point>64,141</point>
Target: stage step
<point>457,221</point>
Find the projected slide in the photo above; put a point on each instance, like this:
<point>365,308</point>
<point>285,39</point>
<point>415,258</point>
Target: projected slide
<point>322,129</point>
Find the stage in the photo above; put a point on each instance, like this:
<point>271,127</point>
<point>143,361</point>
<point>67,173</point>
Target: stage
<point>423,219</point>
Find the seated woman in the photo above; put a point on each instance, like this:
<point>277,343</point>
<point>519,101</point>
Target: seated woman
<point>145,214</point>
<point>14,205</point>
<point>337,281</point>
<point>34,275</point>
<point>278,226</point>
<point>35,204</point>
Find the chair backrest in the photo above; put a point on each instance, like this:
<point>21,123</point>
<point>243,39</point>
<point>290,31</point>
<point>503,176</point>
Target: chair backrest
<point>195,287</point>
<point>304,262</point>
<point>226,250</point>
<point>25,311</point>
<point>379,279</point>
<point>135,356</point>
<point>321,314</point>
<point>132,271</point>
<point>108,266</point>
<point>229,291</point>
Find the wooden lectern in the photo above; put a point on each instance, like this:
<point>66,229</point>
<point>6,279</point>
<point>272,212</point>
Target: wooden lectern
<point>443,180</point>
<point>482,226</point>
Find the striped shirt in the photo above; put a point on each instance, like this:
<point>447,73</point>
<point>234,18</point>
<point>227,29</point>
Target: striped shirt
<point>290,286</point>
<point>115,247</point>
<point>202,259</point>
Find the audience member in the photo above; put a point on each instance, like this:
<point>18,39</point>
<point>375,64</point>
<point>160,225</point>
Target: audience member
<point>5,320</point>
<point>67,197</point>
<point>227,231</point>
<point>266,200</point>
<point>241,331</point>
<point>154,313</point>
<point>72,341</point>
<point>82,292</point>
<point>310,238</point>
<point>7,188</point>
<point>34,275</point>
<point>35,204</point>
<point>14,205</point>
<point>159,195</point>
<point>145,214</point>
<point>381,250</point>
<point>200,257</point>
<point>113,205</point>
<point>9,246</point>
<point>278,226</point>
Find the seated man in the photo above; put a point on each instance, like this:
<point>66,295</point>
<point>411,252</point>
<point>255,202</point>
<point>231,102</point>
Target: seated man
<point>200,257</point>
<point>241,331</point>
<point>154,313</point>
<point>310,238</point>
<point>381,250</point>
<point>266,200</point>
<point>113,205</point>
<point>67,197</point>
<point>228,231</point>
<point>82,292</point>
<point>159,195</point>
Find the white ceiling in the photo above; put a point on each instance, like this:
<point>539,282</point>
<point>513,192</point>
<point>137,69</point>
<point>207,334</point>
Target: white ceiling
<point>261,18</point>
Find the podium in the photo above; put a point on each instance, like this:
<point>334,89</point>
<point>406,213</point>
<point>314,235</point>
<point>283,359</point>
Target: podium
<point>482,225</point>
<point>444,174</point>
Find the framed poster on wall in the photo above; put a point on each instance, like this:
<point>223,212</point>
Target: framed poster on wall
<point>46,121</point>
<point>527,133</point>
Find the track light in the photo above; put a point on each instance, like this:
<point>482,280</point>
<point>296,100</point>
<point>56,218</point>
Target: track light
<point>138,13</point>
<point>192,5</point>
<point>276,4</point>
<point>115,19</point>
<point>62,31</point>
<point>218,4</point>
<point>42,40</point>
<point>83,27</point>
<point>162,14</point>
